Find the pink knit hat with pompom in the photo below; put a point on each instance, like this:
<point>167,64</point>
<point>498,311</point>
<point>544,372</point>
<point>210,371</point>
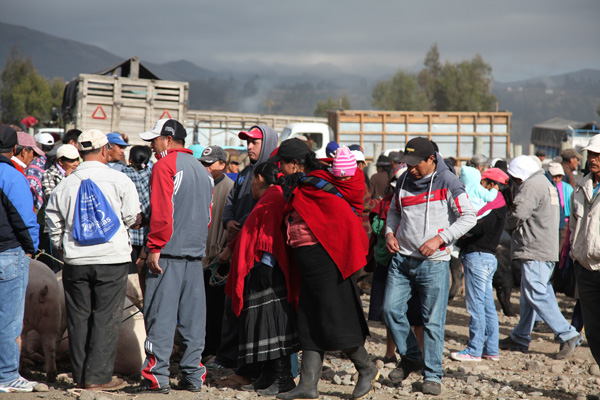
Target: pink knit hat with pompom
<point>344,163</point>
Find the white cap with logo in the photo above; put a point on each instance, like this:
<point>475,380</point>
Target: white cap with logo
<point>92,139</point>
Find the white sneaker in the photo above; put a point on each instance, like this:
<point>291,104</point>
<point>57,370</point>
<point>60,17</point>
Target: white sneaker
<point>18,385</point>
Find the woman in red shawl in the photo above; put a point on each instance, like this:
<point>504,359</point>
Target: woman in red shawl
<point>257,287</point>
<point>324,227</point>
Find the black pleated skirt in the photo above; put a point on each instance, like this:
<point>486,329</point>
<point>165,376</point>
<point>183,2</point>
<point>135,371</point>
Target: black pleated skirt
<point>330,315</point>
<point>267,321</point>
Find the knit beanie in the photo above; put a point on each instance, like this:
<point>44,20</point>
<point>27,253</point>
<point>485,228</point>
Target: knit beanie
<point>344,163</point>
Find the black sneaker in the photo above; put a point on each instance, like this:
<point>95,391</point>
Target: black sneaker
<point>508,344</point>
<point>431,387</point>
<point>144,388</point>
<point>404,368</point>
<point>567,348</point>
<point>184,384</point>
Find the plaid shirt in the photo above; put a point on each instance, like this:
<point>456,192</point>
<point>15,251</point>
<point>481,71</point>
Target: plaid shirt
<point>50,179</point>
<point>141,179</point>
<point>34,175</point>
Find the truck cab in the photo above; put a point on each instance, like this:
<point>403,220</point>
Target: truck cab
<point>317,135</point>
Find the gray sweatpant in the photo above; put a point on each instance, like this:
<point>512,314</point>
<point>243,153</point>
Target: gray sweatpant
<point>175,298</point>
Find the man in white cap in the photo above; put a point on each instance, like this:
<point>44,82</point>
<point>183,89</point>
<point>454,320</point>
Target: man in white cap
<point>534,223</point>
<point>94,275</point>
<point>585,248</point>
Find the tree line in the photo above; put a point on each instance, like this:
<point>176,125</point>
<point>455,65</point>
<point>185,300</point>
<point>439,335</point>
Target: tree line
<point>462,86</point>
<point>24,92</point>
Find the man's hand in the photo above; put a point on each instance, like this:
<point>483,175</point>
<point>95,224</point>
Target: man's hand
<point>138,221</point>
<point>140,263</point>
<point>391,243</point>
<point>233,228</point>
<point>431,246</point>
<point>152,262</point>
<point>225,256</point>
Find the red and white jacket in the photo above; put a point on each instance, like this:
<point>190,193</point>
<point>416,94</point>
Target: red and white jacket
<point>180,205</point>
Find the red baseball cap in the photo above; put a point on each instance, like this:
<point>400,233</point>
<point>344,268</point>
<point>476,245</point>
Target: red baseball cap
<point>253,133</point>
<point>496,175</point>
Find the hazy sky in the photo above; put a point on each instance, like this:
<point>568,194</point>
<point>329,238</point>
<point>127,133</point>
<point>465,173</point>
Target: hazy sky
<point>519,38</point>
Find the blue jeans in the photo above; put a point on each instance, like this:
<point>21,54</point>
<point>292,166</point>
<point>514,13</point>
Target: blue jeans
<point>14,275</point>
<point>479,270</point>
<point>429,280</point>
<point>538,297</point>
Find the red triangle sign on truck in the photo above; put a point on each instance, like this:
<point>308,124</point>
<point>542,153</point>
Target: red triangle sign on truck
<point>165,114</point>
<point>99,113</point>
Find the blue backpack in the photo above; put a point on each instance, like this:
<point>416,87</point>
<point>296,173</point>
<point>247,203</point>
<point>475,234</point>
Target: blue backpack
<point>95,221</point>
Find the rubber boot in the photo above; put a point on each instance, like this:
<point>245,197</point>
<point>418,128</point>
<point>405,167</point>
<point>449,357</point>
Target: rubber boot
<point>282,372</point>
<point>367,371</point>
<point>266,378</point>
<point>310,373</point>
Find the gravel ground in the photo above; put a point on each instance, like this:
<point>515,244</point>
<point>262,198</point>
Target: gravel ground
<point>536,375</point>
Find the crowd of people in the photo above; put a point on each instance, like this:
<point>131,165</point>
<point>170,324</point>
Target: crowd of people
<point>255,266</point>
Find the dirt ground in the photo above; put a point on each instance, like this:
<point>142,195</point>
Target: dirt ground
<point>536,375</point>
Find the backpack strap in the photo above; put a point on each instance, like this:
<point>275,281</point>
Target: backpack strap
<point>328,187</point>
<point>75,173</point>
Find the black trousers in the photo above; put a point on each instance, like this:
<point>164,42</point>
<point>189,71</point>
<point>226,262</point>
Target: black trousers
<point>588,285</point>
<point>215,308</point>
<point>227,352</point>
<point>94,296</point>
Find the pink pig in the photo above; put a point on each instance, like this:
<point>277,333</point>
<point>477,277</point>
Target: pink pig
<point>42,315</point>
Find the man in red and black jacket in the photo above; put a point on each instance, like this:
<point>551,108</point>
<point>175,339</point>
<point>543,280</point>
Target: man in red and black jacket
<point>180,208</point>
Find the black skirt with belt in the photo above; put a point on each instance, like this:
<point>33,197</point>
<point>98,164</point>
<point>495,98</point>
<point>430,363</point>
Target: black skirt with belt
<point>330,315</point>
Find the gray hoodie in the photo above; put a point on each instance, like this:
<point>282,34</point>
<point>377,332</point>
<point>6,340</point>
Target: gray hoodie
<point>423,208</point>
<point>240,202</point>
<point>535,219</point>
